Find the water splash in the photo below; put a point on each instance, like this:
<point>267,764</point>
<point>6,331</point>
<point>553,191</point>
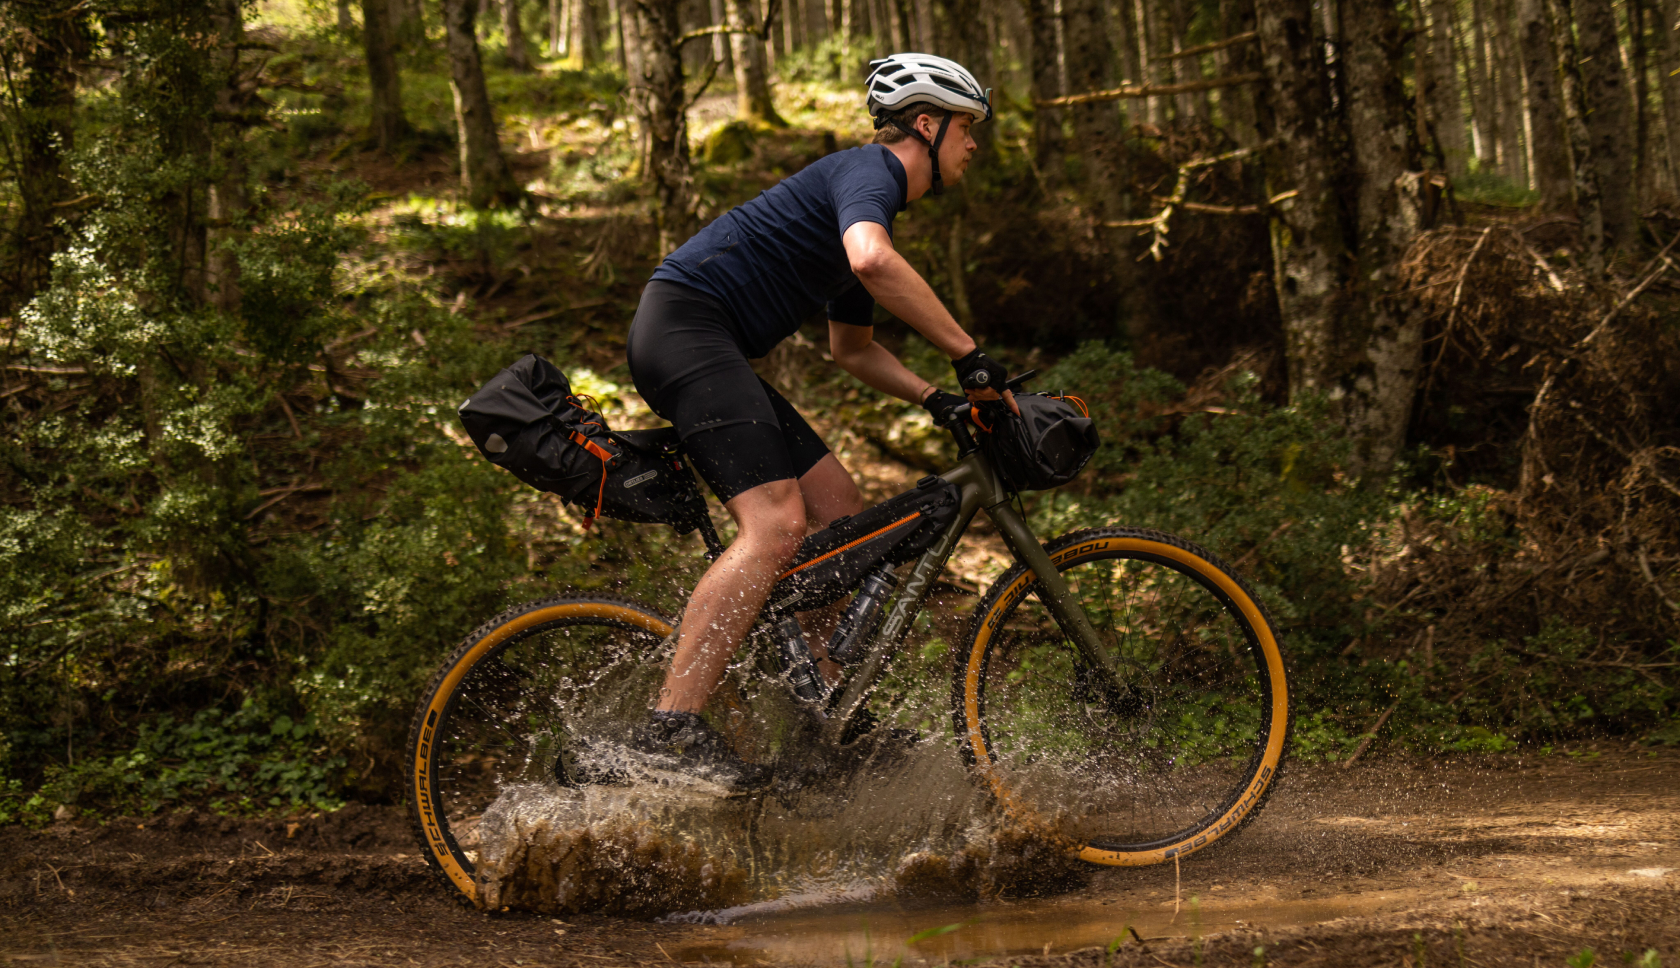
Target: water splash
<point>894,823</point>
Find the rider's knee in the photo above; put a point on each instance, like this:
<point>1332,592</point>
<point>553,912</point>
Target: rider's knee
<point>775,520</point>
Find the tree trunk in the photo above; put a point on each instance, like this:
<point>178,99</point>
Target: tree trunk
<point>345,23</point>
<point>1604,88</point>
<point>1587,181</point>
<point>752,79</point>
<point>1237,103</point>
<point>387,124</point>
<point>1550,167</point>
<point>1383,331</point>
<point>1644,182</point>
<point>619,32</point>
<point>1441,92</point>
<point>46,132</point>
<point>1484,98</point>
<point>518,58</point>
<point>1047,122</point>
<point>721,47</point>
<point>1309,245</point>
<point>1668,70</point>
<point>653,29</point>
<point>1508,84</point>
<point>586,33</point>
<point>229,197</point>
<point>484,171</point>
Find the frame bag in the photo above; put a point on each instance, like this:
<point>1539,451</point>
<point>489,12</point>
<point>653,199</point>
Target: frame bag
<point>528,421</point>
<point>1045,447</point>
<point>831,562</point>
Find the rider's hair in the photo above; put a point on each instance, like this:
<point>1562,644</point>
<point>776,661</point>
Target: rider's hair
<point>889,134</point>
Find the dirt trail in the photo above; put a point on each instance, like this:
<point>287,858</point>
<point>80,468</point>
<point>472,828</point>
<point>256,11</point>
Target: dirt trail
<point>1503,861</point>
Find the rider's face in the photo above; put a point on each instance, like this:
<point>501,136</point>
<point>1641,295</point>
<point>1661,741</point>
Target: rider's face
<point>958,147</point>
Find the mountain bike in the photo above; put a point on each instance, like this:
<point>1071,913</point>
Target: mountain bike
<point>1118,685</point>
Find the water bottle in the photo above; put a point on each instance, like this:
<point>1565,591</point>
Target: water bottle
<point>797,663</point>
<point>858,624</point>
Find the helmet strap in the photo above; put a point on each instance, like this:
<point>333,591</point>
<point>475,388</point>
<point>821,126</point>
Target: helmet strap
<point>933,146</point>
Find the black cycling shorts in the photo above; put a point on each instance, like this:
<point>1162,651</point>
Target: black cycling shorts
<point>688,365</point>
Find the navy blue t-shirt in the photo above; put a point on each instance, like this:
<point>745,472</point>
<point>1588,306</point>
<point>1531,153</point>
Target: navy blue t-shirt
<point>775,260</point>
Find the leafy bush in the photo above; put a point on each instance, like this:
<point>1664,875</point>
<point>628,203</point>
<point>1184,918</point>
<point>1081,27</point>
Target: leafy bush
<point>239,761</point>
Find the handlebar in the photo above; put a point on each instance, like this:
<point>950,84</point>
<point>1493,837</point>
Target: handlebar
<point>957,421</point>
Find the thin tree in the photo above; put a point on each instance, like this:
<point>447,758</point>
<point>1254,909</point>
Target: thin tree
<point>1551,171</point>
<point>1608,114</point>
<point>1441,91</point>
<point>40,111</point>
<point>653,31</point>
<point>752,76</point>
<point>586,33</point>
<point>1046,84</point>
<point>513,30</point>
<point>1588,181</point>
<point>388,126</point>
<point>1667,54</point>
<point>484,171</point>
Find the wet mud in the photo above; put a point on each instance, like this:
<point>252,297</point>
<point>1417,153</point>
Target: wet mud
<point>1495,862</point>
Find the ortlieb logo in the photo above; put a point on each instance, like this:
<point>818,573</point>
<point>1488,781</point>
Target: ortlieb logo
<point>641,478</point>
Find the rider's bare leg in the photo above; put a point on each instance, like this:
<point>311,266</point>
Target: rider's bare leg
<point>829,493</point>
<point>728,598</point>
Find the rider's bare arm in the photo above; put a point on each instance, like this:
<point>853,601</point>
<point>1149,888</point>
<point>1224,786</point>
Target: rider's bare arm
<point>904,293</point>
<point>855,349</point>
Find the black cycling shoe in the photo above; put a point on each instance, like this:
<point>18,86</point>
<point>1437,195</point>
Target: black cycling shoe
<point>686,744</point>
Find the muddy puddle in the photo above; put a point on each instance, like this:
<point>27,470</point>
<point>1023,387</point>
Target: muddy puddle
<point>858,934</point>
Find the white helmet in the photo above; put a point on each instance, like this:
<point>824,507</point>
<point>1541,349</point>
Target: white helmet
<point>904,79</point>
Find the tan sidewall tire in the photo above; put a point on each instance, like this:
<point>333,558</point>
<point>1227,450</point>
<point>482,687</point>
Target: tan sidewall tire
<point>968,698</point>
<point>430,825</point>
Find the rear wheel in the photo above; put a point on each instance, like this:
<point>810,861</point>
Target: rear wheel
<point>1177,750</point>
<point>509,704</point>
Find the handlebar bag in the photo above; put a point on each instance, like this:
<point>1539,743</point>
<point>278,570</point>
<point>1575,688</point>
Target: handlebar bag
<point>527,420</point>
<point>833,561</point>
<point>1046,446</point>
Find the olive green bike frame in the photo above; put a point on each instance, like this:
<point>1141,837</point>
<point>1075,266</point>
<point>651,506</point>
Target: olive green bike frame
<point>981,490</point>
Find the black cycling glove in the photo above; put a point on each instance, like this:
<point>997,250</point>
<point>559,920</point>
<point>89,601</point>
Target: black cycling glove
<point>940,404</point>
<point>977,371</point>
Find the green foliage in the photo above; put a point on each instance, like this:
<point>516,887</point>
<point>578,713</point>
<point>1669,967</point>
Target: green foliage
<point>240,761</point>
<point>1585,958</point>
<point>1256,484</point>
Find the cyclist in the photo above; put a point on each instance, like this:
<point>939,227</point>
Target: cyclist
<point>745,283</point>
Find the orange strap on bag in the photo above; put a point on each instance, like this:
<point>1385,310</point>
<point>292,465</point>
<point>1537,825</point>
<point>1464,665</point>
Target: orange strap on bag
<point>604,456</point>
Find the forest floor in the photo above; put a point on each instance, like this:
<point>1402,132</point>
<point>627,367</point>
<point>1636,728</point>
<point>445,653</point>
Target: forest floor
<point>1498,861</point>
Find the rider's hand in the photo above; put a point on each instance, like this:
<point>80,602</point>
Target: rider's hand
<point>940,404</point>
<point>984,378</point>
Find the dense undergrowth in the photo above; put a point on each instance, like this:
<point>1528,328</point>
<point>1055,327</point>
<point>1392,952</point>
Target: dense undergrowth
<point>237,536</point>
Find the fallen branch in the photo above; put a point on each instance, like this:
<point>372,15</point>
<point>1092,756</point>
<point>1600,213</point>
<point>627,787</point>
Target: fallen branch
<point>762,32</point>
<point>1151,90</point>
<point>1546,267</point>
<point>1371,736</point>
<point>1231,41</point>
<point>1653,272</point>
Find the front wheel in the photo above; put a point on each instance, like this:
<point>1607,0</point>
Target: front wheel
<point>510,703</point>
<point>1175,750</point>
